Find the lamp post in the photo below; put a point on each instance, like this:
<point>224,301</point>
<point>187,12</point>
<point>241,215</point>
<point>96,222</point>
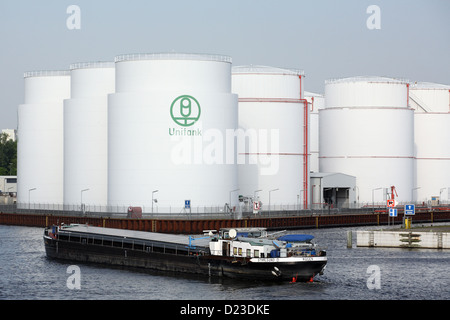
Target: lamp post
<point>373,204</point>
<point>440,194</point>
<point>269,198</point>
<point>153,200</point>
<point>29,194</point>
<point>412,193</point>
<point>82,206</point>
<point>254,193</point>
<point>299,200</point>
<point>356,189</point>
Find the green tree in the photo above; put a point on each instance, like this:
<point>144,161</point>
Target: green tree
<point>8,156</point>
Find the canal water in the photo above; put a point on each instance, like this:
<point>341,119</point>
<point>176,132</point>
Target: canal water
<point>352,273</point>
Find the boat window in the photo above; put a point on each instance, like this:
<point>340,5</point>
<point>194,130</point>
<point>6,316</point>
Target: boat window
<point>256,252</point>
<point>240,251</point>
<point>234,251</point>
<point>249,252</point>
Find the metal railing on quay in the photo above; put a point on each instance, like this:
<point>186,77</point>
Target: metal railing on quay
<point>209,212</point>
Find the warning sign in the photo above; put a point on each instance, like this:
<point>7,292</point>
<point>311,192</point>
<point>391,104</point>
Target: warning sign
<point>256,206</point>
<point>391,203</point>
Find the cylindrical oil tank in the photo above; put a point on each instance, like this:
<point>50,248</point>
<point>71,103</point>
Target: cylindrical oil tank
<point>429,97</point>
<point>367,130</point>
<point>167,134</point>
<point>40,148</point>
<point>86,136</point>
<point>431,140</point>
<point>273,121</point>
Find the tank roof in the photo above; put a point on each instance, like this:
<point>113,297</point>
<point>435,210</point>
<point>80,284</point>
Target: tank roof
<point>266,70</point>
<point>93,64</point>
<point>428,85</point>
<point>369,79</point>
<point>172,56</point>
<point>46,73</point>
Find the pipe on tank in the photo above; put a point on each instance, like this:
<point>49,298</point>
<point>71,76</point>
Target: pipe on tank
<point>305,146</point>
<point>305,132</point>
<point>407,95</point>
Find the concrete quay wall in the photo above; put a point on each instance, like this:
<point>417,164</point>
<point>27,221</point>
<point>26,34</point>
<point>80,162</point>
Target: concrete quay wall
<point>403,239</point>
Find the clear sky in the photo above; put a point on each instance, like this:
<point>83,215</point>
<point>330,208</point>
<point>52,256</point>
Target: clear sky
<point>325,38</point>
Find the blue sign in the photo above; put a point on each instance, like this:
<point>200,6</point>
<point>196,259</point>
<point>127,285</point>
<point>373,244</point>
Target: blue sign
<point>392,212</point>
<point>410,209</point>
<point>187,204</point>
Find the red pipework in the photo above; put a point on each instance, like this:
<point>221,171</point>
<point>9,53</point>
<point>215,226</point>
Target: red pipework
<point>300,93</point>
<point>286,100</point>
<point>407,95</point>
<point>305,154</point>
<point>305,132</point>
<point>305,147</point>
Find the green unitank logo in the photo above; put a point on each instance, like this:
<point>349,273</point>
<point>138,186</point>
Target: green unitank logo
<point>185,110</point>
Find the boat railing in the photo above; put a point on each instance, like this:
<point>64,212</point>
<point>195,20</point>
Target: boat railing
<point>130,244</point>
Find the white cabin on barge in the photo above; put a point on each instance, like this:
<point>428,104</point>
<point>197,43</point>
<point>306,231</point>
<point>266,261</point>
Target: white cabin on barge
<point>256,243</point>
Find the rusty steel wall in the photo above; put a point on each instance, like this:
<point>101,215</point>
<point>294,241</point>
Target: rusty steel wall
<point>193,226</point>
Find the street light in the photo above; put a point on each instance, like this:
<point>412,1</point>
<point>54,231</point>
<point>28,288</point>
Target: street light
<point>412,193</point>
<point>82,207</point>
<point>254,193</point>
<point>29,194</point>
<point>440,194</point>
<point>373,204</point>
<point>299,199</point>
<point>153,192</point>
<point>269,197</point>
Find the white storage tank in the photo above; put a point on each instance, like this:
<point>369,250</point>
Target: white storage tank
<point>431,140</point>
<point>367,131</point>
<point>40,145</point>
<point>429,97</point>
<point>274,118</point>
<point>86,136</point>
<point>167,126</point>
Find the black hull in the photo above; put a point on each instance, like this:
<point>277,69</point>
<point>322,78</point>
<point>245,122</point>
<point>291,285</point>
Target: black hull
<point>208,265</point>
